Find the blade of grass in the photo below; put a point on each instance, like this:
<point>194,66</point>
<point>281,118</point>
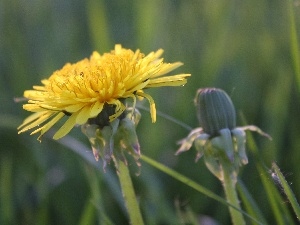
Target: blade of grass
<point>88,215</point>
<point>280,211</point>
<point>167,117</point>
<point>124,176</point>
<point>81,150</point>
<point>187,216</point>
<point>98,25</point>
<point>146,25</point>
<point>249,203</point>
<point>287,190</point>
<point>192,184</point>
<point>95,203</point>
<point>6,188</point>
<point>294,41</point>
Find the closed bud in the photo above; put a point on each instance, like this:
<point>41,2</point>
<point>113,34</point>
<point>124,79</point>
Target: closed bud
<point>215,111</point>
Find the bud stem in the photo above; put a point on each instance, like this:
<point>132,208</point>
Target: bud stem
<point>229,185</point>
<point>129,194</point>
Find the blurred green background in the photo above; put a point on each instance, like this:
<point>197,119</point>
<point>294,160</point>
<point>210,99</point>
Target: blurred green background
<point>242,47</point>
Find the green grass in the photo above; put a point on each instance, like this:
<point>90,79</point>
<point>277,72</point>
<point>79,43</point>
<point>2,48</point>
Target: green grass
<point>248,48</point>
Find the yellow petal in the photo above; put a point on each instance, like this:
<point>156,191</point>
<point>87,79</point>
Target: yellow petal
<point>120,107</point>
<point>118,48</point>
<point>67,127</point>
<point>167,67</point>
<point>175,80</point>
<point>96,109</point>
<point>83,115</point>
<point>140,86</point>
<point>39,120</point>
<point>48,125</point>
<point>39,88</point>
<point>74,108</point>
<point>30,119</point>
<point>158,53</point>
<point>152,105</point>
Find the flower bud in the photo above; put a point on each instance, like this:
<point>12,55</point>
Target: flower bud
<point>215,110</point>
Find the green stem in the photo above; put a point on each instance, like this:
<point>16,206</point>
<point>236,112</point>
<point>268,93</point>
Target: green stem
<point>229,185</point>
<point>129,195</point>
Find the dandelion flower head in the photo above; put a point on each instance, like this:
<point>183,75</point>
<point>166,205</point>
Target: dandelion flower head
<point>83,90</point>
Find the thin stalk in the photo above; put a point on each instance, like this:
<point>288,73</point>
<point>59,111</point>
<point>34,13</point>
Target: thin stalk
<point>129,195</point>
<point>294,41</point>
<point>229,185</point>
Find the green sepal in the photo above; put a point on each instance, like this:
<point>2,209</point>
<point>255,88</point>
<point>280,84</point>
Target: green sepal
<point>224,142</point>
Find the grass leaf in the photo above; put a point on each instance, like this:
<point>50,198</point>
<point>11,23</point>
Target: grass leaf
<point>191,184</point>
<point>287,190</point>
<point>249,203</point>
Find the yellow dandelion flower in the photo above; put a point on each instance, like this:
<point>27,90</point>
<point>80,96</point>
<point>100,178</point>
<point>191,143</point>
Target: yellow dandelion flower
<point>82,90</point>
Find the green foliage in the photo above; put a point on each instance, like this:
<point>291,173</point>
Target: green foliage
<point>286,189</point>
<point>248,48</point>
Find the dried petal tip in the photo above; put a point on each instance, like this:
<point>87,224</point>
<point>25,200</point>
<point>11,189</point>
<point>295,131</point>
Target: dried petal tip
<point>215,110</point>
